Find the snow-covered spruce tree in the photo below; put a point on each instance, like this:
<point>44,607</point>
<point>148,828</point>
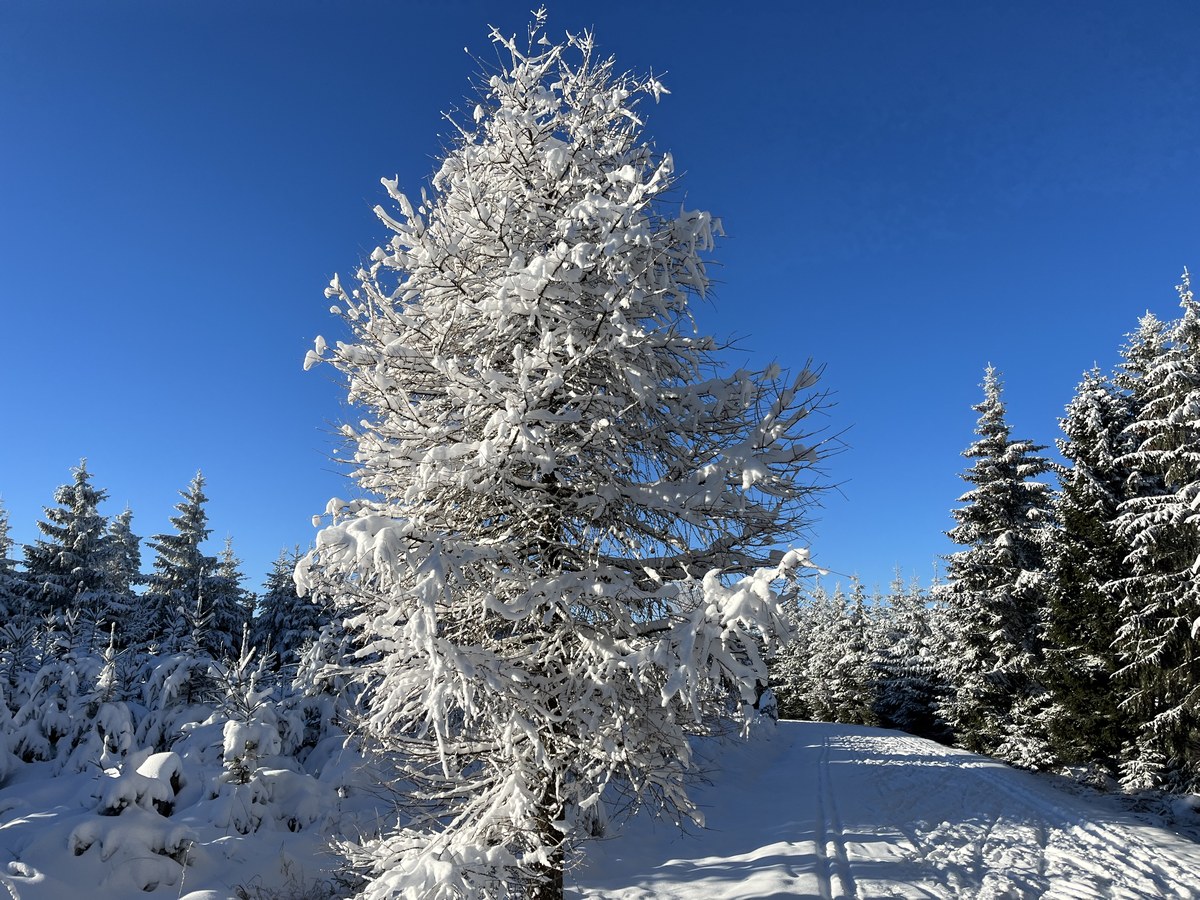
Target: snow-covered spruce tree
<point>103,722</point>
<point>1160,596</point>
<point>181,684</point>
<point>789,668</point>
<point>124,554</point>
<point>1084,723</point>
<point>181,570</point>
<point>53,716</point>
<point>67,569</point>
<point>228,603</point>
<point>801,670</point>
<point>908,685</point>
<point>994,596</point>
<point>286,623</point>
<point>830,677</point>
<point>567,555</point>
<point>852,677</point>
<point>12,586</point>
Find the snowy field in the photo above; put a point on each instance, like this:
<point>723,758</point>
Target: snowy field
<point>806,810</point>
<point>837,811</point>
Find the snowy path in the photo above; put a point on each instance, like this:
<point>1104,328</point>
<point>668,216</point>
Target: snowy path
<point>843,813</point>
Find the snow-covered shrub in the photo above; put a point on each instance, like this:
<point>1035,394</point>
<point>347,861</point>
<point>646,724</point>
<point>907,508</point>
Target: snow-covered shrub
<point>106,727</point>
<point>119,792</point>
<point>244,745</point>
<point>105,742</point>
<point>48,723</point>
<point>321,698</point>
<point>141,847</point>
<point>18,659</point>
<point>164,767</point>
<point>7,759</point>
<point>179,690</point>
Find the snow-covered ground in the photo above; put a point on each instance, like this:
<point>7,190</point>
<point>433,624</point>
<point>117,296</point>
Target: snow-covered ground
<point>804,810</point>
<point>835,811</point>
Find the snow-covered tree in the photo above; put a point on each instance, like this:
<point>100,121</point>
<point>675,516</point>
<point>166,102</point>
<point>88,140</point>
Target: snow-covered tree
<point>828,632</point>
<point>908,686</point>
<point>994,596</point>
<point>52,717</point>
<point>286,622</point>
<point>228,603</point>
<point>564,562</point>
<point>1160,595</point>
<point>102,719</point>
<point>826,671</point>
<point>124,553</point>
<point>67,568</point>
<point>181,568</point>
<point>790,669</point>
<point>852,677</point>
<point>250,736</point>
<point>1083,721</point>
<point>12,585</point>
<point>180,687</point>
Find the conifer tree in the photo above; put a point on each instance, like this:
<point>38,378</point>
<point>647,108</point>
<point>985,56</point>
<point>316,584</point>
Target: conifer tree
<point>828,632</point>
<point>181,683</point>
<point>1140,354</point>
<point>790,669</point>
<point>908,683</point>
<point>67,568</point>
<point>1160,595</point>
<point>50,721</point>
<point>125,554</point>
<point>1084,722</point>
<point>852,676</point>
<point>177,584</point>
<point>554,461</point>
<point>286,622</point>
<point>994,595</point>
<point>12,586</point>
<point>228,603</point>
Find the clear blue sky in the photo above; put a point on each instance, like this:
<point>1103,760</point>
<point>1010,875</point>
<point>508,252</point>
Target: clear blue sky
<point>911,190</point>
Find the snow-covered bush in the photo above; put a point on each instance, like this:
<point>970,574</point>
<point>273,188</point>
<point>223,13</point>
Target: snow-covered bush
<point>49,723</point>
<point>179,689</point>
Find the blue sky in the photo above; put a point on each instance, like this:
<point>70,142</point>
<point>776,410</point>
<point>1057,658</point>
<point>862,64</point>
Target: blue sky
<point>910,190</point>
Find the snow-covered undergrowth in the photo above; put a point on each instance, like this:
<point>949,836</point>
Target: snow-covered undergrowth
<point>214,815</point>
<point>132,773</point>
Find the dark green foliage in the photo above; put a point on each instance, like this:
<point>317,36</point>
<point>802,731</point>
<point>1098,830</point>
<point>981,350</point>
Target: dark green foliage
<point>908,683</point>
<point>228,603</point>
<point>68,564</point>
<point>67,570</point>
<point>285,622</point>
<point>177,587</point>
<point>1159,595</point>
<point>995,592</point>
<point>12,584</point>
<point>1085,724</point>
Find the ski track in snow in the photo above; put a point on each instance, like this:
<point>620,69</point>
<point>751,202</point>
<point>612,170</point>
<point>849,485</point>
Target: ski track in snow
<point>837,812</point>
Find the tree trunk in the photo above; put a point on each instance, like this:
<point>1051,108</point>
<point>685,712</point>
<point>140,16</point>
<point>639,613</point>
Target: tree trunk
<point>548,883</point>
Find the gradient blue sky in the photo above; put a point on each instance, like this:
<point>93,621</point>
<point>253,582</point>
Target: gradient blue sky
<point>911,190</point>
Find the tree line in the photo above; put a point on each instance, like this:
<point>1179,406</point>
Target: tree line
<point>98,658</point>
<point>85,570</point>
<point>1066,630</point>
